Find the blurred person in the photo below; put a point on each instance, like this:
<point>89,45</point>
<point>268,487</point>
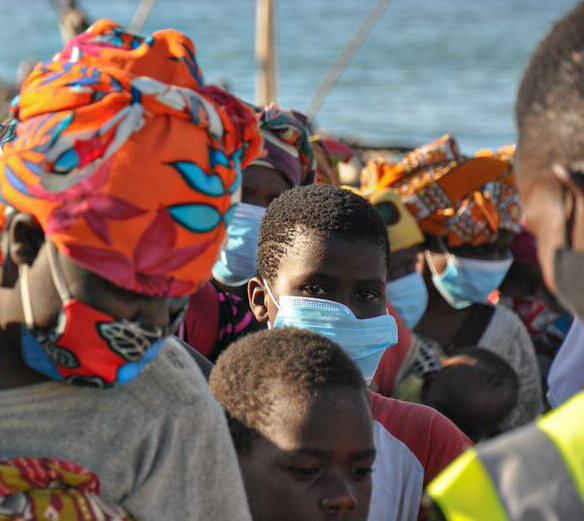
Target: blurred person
<point>537,472</point>
<point>121,172</point>
<point>550,177</point>
<point>469,211</point>
<point>286,392</point>
<point>219,313</point>
<point>524,292</point>
<point>323,258</point>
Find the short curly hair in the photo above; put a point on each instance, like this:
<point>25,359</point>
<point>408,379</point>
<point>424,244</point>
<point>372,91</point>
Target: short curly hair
<point>303,362</point>
<point>330,211</point>
<point>551,93</point>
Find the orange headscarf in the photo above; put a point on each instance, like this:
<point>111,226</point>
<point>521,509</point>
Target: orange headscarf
<point>128,161</point>
<point>464,200</point>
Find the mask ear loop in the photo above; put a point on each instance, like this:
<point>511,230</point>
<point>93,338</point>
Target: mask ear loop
<point>450,257</point>
<point>57,274</point>
<point>269,290</point>
<point>25,296</point>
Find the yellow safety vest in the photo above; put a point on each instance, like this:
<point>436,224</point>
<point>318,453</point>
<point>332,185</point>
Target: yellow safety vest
<point>535,473</point>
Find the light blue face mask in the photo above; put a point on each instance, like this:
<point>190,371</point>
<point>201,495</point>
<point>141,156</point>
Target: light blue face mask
<point>467,281</point>
<point>364,340</point>
<point>409,296</point>
<point>237,262</point>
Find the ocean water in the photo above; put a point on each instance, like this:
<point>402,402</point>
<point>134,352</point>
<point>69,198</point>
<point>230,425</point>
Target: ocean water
<point>428,67</point>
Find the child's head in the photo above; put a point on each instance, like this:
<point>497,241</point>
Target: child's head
<point>287,392</point>
<point>325,242</point>
<point>475,388</point>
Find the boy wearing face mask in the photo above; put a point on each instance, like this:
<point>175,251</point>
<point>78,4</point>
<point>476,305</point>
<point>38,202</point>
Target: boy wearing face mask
<point>468,209</point>
<point>323,258</point>
<point>114,226</point>
<point>286,392</point>
<point>218,313</point>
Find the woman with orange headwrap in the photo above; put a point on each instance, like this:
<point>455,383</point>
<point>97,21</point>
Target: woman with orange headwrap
<point>121,168</point>
<point>468,209</point>
<point>219,313</point>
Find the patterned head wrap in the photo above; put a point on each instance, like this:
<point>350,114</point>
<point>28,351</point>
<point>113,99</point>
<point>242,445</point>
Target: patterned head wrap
<point>463,200</point>
<point>287,147</point>
<point>51,488</point>
<point>128,161</point>
<point>329,153</point>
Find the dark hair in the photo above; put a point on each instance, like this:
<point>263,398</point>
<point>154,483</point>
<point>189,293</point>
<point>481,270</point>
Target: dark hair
<point>477,398</point>
<point>552,88</point>
<point>328,210</point>
<point>245,375</point>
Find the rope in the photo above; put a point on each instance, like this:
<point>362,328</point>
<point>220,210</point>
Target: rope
<point>140,16</point>
<point>345,57</point>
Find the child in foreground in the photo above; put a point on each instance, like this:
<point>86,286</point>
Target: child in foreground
<point>301,424</point>
<point>326,249</point>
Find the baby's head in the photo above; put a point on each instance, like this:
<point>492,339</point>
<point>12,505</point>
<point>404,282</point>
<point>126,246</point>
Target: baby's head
<point>476,389</point>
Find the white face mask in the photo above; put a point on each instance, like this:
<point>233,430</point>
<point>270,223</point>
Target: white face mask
<point>364,340</point>
<point>237,261</point>
<point>466,281</point>
<point>409,296</point>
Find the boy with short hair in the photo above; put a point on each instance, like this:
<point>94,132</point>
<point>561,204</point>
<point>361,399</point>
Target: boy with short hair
<point>300,419</point>
<point>326,248</point>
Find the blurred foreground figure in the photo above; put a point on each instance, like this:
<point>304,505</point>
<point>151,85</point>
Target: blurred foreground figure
<point>301,423</point>
<point>538,472</point>
<point>120,167</point>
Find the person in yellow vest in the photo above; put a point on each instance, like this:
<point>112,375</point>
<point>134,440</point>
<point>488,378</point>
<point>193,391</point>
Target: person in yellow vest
<point>537,472</point>
<point>533,473</point>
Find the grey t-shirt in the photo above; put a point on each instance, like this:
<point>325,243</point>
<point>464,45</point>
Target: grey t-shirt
<point>159,444</point>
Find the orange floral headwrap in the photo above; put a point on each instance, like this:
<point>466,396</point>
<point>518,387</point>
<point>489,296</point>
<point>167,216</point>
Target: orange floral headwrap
<point>463,200</point>
<point>127,160</point>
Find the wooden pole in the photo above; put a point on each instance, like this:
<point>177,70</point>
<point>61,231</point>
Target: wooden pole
<point>266,52</point>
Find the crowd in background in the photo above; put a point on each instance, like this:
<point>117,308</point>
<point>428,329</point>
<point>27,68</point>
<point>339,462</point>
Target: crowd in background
<point>203,317</point>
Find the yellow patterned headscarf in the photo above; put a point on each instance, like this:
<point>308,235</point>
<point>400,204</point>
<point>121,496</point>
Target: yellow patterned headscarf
<point>463,200</point>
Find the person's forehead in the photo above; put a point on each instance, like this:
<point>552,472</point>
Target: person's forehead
<point>312,251</point>
<point>259,175</point>
<point>310,419</point>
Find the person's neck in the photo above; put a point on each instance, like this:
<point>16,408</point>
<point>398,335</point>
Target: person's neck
<point>13,371</point>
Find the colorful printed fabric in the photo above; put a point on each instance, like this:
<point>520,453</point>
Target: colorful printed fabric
<point>402,229</point>
<point>463,200</point>
<point>50,489</point>
<point>329,153</point>
<point>287,147</point>
<point>128,161</point>
<point>215,319</point>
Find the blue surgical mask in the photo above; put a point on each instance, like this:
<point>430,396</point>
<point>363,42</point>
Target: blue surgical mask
<point>467,281</point>
<point>409,296</point>
<point>364,340</point>
<point>237,262</point>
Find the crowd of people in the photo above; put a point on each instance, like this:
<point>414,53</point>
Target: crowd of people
<point>198,321</point>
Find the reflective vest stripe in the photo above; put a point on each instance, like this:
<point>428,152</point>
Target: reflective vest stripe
<point>566,428</point>
<point>478,494</point>
<point>533,474</point>
<point>531,477</point>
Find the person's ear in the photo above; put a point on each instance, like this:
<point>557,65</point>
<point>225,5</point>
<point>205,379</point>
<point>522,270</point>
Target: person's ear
<point>572,180</point>
<point>258,299</point>
<point>24,238</point>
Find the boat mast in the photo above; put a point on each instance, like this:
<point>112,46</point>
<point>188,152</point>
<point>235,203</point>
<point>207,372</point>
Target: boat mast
<point>266,50</point>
